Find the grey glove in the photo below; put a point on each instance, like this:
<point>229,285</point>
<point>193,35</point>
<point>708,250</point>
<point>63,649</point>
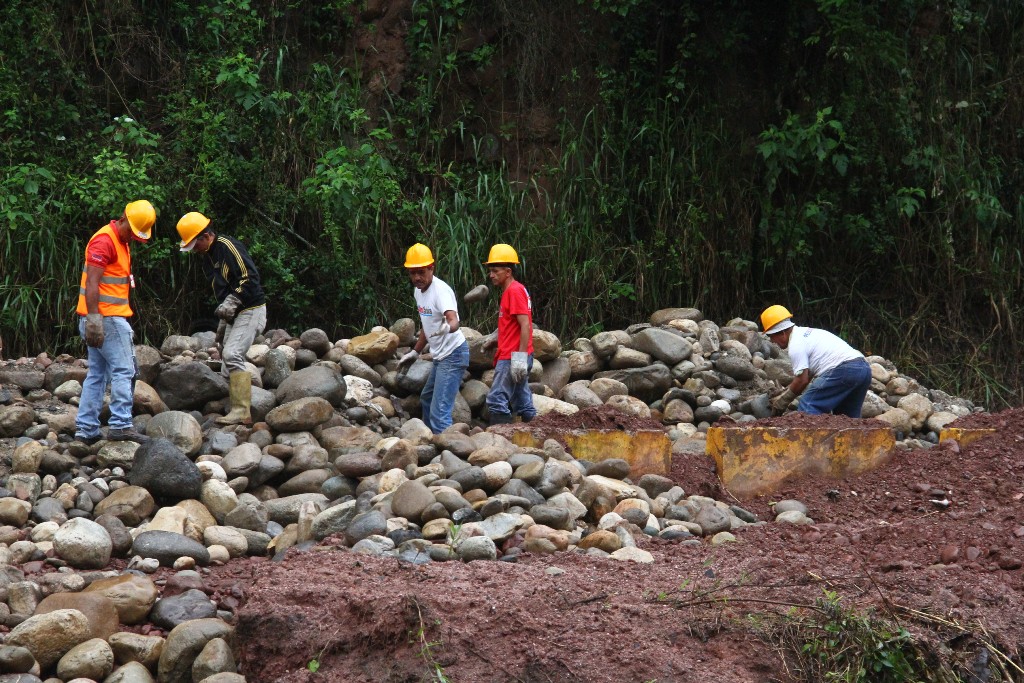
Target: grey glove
<point>490,341</point>
<point>222,327</point>
<point>406,361</point>
<point>228,308</point>
<point>782,401</point>
<point>519,370</point>
<point>94,335</point>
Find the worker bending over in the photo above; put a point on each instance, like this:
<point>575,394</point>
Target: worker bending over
<point>242,310</point>
<point>830,376</point>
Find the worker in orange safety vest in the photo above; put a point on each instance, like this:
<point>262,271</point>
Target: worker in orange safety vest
<point>103,310</point>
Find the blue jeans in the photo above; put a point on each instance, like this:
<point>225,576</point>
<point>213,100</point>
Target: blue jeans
<point>438,396</point>
<point>113,362</point>
<point>841,390</point>
<point>506,397</point>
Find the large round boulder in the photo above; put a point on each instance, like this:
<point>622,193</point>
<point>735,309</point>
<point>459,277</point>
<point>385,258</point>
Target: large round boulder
<point>165,471</point>
<point>321,381</point>
<point>83,544</point>
<point>190,386</point>
<point>179,427</point>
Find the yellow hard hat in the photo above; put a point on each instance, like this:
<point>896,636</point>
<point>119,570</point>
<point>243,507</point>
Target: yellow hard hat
<point>189,227</point>
<point>501,253</point>
<point>776,319</point>
<point>418,256</point>
<point>141,216</point>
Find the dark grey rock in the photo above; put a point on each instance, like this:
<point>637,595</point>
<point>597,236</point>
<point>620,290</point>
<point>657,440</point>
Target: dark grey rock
<point>416,378</point>
<point>167,546</point>
<point>735,367</point>
<point>520,489</point>
<point>415,551</point>
<point>48,509</point>
<point>339,487</point>
<point>121,539</point>
<point>680,512</point>
<point>655,484</point>
<point>367,524</point>
<point>712,520</point>
<point>248,515</point>
<point>613,468</point>
<point>317,380</point>
<point>743,514</point>
<point>270,466</point>
<point>316,340</point>
<point>466,515</point>
<point>470,478</point>
<point>176,609</point>
<point>165,471</point>
<point>648,383</point>
<point>276,368</point>
<point>554,517</point>
<point>190,385</point>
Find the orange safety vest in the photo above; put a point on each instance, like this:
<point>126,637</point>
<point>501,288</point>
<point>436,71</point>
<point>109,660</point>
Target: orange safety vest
<point>115,284</point>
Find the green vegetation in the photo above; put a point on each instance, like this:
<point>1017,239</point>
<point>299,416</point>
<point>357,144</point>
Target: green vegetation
<point>840,644</point>
<point>860,164</point>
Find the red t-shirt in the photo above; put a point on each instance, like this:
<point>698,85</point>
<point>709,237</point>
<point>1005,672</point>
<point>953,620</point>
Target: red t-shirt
<point>515,300</point>
<point>101,251</point>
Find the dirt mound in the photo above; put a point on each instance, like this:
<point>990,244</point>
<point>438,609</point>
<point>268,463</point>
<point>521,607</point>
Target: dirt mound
<point>803,420</point>
<point>950,574</point>
<point>598,417</point>
<point>1011,419</point>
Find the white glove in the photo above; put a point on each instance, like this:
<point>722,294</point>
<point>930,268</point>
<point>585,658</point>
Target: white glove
<point>406,361</point>
<point>519,370</point>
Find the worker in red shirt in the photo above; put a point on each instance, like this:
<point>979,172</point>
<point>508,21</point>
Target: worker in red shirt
<point>103,310</point>
<point>510,391</point>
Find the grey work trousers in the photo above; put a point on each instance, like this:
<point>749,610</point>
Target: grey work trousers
<point>238,338</point>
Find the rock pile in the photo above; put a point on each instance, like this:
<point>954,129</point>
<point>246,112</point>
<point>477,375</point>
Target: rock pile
<point>338,456</point>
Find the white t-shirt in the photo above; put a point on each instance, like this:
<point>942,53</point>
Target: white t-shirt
<point>431,306</point>
<point>818,350</point>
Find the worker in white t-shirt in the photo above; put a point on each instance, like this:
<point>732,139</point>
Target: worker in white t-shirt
<point>439,329</point>
<point>830,376</point>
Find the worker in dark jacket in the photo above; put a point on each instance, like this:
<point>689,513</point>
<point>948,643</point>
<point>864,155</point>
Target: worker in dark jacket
<point>242,310</point>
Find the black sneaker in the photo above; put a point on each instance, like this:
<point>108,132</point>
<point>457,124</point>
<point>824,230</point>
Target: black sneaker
<point>126,434</point>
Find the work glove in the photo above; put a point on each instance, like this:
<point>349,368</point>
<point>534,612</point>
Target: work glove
<point>222,327</point>
<point>490,341</point>
<point>94,335</point>
<point>228,308</point>
<point>406,361</point>
<point>782,401</point>
<point>445,330</point>
<point>519,370</point>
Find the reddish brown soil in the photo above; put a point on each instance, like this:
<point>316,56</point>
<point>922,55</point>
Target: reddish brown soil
<point>598,417</point>
<point>1012,419</point>
<point>950,575</point>
<point>803,420</point>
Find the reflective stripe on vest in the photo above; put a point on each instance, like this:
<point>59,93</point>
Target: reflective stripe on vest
<point>114,284</point>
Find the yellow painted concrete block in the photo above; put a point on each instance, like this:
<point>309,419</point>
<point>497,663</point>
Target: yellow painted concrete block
<point>963,435</point>
<point>646,451</point>
<point>753,460</point>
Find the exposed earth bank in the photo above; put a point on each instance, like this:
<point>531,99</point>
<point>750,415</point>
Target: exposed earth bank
<point>880,550</point>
